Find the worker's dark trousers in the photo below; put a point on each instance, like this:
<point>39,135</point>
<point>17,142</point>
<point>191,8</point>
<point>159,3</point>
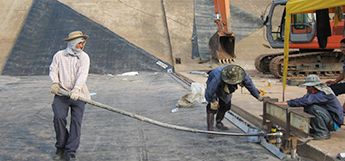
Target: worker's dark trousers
<point>223,108</point>
<point>338,88</point>
<point>64,139</point>
<point>322,122</point>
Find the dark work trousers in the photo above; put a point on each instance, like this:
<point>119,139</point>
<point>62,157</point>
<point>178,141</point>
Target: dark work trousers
<point>64,139</point>
<point>223,108</point>
<point>322,123</point>
<point>338,88</point>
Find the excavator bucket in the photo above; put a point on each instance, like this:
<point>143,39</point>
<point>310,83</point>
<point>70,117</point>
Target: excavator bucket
<point>222,46</point>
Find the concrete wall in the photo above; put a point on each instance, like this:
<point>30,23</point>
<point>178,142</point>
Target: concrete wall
<point>12,14</point>
<point>180,16</point>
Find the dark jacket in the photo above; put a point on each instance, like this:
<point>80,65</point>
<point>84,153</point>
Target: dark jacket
<point>329,102</point>
<point>215,86</point>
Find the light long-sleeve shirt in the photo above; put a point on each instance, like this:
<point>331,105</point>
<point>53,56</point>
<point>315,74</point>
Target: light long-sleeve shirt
<point>71,71</point>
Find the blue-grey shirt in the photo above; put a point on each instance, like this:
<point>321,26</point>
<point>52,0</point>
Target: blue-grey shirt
<point>329,102</point>
<point>215,86</point>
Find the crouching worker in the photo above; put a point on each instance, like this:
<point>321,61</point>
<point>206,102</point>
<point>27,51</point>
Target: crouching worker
<point>320,102</point>
<point>221,83</point>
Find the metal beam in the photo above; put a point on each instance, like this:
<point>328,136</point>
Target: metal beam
<point>247,127</point>
<point>292,119</point>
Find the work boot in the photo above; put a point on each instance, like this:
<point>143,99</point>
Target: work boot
<point>210,123</point>
<point>70,157</point>
<point>58,154</point>
<point>321,137</point>
<point>220,126</point>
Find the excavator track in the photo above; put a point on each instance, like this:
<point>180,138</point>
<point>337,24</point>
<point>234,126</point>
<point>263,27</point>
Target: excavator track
<point>324,64</point>
<point>262,62</point>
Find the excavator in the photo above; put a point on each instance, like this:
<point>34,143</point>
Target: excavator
<point>222,43</point>
<point>308,55</point>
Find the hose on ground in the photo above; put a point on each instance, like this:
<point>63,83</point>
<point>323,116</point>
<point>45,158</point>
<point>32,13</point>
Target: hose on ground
<point>162,124</point>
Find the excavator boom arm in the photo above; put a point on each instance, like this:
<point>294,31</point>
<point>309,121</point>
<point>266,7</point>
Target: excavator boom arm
<point>222,43</point>
<point>222,12</point>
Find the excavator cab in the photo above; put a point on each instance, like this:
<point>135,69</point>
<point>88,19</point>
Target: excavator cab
<point>303,29</point>
<point>303,26</point>
<point>310,55</point>
<point>275,24</point>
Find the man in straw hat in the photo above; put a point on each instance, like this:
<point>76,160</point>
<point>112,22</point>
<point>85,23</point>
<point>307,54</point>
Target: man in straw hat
<point>221,83</point>
<point>69,70</point>
<point>321,102</point>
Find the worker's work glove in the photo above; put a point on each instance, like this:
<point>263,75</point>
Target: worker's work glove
<point>75,93</point>
<point>281,103</point>
<point>55,88</point>
<point>214,105</point>
<point>262,92</point>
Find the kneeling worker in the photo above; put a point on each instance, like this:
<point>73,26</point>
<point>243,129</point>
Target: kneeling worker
<point>321,102</point>
<point>221,83</point>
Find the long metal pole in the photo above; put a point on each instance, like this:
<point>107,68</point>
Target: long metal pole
<point>151,121</point>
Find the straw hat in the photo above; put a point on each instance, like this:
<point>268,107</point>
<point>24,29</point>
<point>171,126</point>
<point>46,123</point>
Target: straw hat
<point>233,74</point>
<point>76,34</point>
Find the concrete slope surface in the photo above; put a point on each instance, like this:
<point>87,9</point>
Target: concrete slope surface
<point>13,14</point>
<point>242,24</point>
<point>179,17</point>
<point>47,25</point>
<point>27,130</point>
<point>164,27</point>
<point>124,35</point>
<point>204,28</point>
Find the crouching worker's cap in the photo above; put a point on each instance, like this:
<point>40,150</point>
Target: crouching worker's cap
<point>233,74</point>
<point>313,80</point>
